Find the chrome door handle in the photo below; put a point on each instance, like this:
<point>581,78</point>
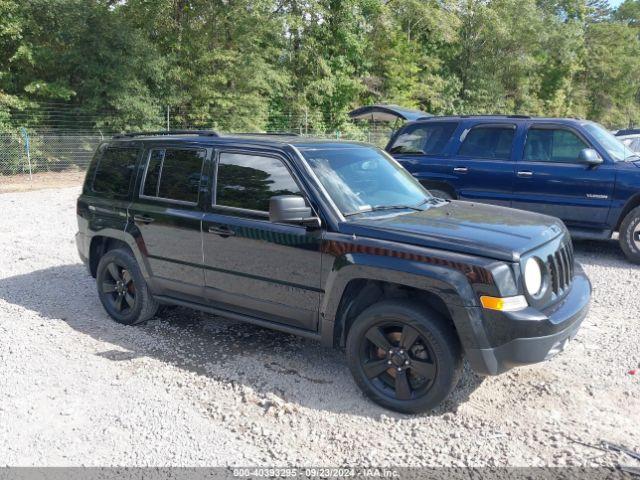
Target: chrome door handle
<point>461,169</point>
<point>525,173</point>
<point>143,219</point>
<point>222,231</point>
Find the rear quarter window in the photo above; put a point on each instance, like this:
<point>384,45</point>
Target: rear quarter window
<point>429,139</point>
<point>114,170</point>
<point>488,142</point>
<point>174,174</point>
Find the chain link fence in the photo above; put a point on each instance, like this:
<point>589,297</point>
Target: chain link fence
<point>59,147</point>
<point>36,152</point>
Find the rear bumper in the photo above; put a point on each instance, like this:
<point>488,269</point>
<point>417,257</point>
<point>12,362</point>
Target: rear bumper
<point>535,335</point>
<point>81,245</point>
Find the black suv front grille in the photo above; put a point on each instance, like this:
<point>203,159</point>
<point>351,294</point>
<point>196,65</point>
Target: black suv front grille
<point>560,267</point>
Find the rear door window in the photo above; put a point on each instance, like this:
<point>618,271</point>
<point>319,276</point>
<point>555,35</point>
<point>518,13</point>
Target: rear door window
<point>248,181</point>
<point>429,139</point>
<point>174,174</point>
<point>555,145</point>
<point>490,142</point>
<point>114,171</point>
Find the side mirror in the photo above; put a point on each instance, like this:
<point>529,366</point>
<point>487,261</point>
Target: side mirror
<point>291,209</point>
<point>590,157</point>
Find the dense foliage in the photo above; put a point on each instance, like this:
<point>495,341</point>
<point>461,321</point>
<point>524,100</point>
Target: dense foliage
<point>253,64</point>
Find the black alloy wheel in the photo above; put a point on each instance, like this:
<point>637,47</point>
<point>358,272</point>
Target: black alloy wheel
<point>122,288</point>
<point>403,355</point>
<point>119,288</point>
<point>397,360</point>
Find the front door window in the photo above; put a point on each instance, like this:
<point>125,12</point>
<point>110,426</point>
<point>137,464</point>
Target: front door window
<point>248,181</point>
<point>553,145</point>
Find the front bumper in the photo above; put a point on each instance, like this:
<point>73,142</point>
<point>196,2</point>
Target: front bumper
<point>530,336</point>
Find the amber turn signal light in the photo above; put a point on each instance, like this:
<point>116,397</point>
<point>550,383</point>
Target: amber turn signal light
<point>504,304</point>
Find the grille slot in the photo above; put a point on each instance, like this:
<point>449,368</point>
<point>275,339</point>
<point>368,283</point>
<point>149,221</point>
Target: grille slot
<point>560,266</point>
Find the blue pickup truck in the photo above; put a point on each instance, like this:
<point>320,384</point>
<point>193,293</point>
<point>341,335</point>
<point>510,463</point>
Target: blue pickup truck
<point>568,168</point>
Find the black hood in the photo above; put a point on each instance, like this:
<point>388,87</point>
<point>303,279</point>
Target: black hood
<point>465,227</point>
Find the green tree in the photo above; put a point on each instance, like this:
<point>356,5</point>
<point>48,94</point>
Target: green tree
<point>408,38</point>
<point>497,57</point>
<point>221,59</point>
<point>628,12</point>
<point>613,73</point>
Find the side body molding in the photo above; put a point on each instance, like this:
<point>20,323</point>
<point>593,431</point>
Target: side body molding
<point>448,276</point>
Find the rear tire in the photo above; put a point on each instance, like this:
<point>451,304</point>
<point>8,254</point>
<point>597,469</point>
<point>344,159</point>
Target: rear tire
<point>404,356</point>
<point>629,235</point>
<point>123,290</point>
<point>440,194</point>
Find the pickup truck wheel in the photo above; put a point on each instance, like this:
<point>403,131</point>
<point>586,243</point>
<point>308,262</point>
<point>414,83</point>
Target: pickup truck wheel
<point>404,356</point>
<point>122,288</point>
<point>629,235</point>
<point>440,194</point>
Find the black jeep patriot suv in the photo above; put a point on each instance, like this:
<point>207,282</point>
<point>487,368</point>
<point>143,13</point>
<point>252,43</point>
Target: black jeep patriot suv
<point>333,241</point>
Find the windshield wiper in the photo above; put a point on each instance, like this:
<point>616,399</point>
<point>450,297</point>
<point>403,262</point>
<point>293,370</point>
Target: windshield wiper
<point>378,208</point>
<point>408,152</point>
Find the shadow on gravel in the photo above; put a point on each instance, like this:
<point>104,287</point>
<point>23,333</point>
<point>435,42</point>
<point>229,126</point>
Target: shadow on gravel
<point>604,250</point>
<point>269,362</point>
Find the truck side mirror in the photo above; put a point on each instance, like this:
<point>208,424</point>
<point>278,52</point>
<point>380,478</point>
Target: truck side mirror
<point>590,157</point>
<point>291,209</point>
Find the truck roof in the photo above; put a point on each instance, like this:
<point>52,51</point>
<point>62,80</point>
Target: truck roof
<point>510,118</point>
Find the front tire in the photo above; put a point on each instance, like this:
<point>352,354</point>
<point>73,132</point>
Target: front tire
<point>122,288</point>
<point>404,356</point>
<point>629,235</point>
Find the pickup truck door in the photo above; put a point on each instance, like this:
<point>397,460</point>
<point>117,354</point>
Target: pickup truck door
<point>550,179</point>
<point>253,266</point>
<point>483,167</point>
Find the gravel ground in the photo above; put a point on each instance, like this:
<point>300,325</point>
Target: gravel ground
<point>41,180</point>
<point>189,389</point>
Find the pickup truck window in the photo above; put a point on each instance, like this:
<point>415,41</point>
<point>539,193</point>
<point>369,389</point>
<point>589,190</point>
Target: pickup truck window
<point>113,171</point>
<point>488,142</point>
<point>552,145</point>
<point>174,174</point>
<point>363,179</point>
<point>249,181</point>
<point>430,138</point>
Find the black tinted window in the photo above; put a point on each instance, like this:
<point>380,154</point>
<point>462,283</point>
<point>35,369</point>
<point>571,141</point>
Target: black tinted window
<point>153,173</point>
<point>249,181</point>
<point>430,138</point>
<point>114,169</point>
<point>174,174</point>
<point>488,142</point>
<point>552,145</point>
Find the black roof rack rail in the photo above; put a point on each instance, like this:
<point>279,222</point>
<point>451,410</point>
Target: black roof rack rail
<point>490,115</point>
<point>204,133</point>
<point>266,134</point>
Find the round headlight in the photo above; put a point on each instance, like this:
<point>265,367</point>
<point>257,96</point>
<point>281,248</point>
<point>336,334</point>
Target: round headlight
<point>533,276</point>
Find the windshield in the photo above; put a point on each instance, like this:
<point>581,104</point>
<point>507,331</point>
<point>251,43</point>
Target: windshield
<point>363,179</point>
<point>614,147</point>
